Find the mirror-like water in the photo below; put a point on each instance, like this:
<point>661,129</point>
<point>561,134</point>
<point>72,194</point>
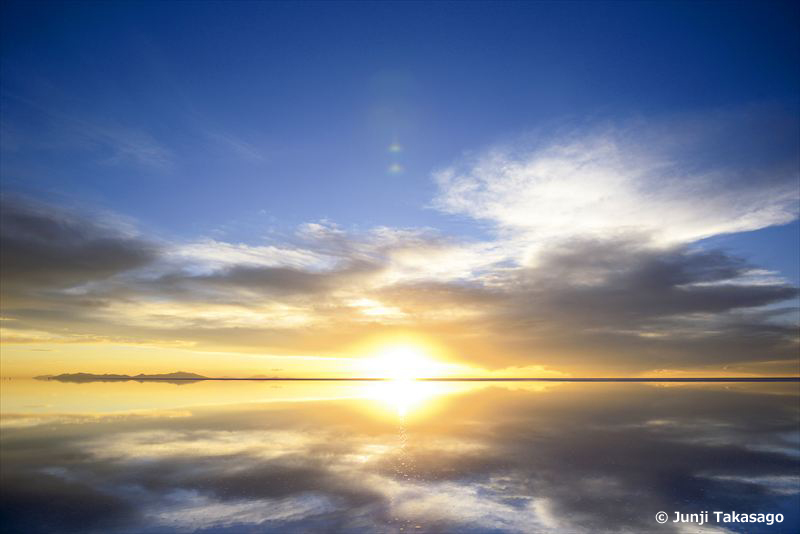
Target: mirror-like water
<point>397,457</point>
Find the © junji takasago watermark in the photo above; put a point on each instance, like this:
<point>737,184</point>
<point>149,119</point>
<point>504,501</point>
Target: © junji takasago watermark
<point>701,518</point>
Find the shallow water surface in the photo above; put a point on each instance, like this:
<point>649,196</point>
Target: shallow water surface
<point>149,457</point>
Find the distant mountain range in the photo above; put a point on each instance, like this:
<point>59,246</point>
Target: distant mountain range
<point>177,377</point>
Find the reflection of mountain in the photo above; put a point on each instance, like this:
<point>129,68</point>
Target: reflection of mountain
<point>179,377</point>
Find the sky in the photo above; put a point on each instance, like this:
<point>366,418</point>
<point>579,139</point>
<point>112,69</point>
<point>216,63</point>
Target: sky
<point>510,189</point>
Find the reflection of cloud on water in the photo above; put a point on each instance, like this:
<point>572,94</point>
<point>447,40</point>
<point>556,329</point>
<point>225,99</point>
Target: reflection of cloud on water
<point>576,458</point>
<point>22,420</point>
<point>191,510</point>
<point>166,444</point>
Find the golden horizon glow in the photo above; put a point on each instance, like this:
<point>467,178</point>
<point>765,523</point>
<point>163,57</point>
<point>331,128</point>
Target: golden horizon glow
<point>403,361</point>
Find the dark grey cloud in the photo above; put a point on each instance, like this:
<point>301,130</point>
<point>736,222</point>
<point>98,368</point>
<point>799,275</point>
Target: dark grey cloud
<point>622,280</point>
<point>658,306</point>
<point>278,281</point>
<point>45,247</point>
<point>615,282</point>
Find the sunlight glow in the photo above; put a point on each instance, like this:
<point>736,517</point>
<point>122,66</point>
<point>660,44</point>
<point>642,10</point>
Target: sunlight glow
<point>403,396</point>
<point>403,362</point>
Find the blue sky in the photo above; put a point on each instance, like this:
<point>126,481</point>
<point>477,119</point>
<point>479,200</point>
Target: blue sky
<point>242,122</point>
<point>255,106</point>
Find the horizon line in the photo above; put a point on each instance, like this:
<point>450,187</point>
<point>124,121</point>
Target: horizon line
<point>462,379</point>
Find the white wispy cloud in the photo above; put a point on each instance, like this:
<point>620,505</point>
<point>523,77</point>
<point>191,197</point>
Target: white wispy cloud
<point>658,182</point>
<point>108,141</point>
<point>235,144</point>
<point>209,255</point>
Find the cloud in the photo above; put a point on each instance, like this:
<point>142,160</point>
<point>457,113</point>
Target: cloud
<point>107,142</point>
<point>235,144</point>
<point>591,264</point>
<point>209,255</point>
<point>45,247</point>
<point>626,281</point>
<point>620,305</point>
<point>655,179</point>
<point>611,305</point>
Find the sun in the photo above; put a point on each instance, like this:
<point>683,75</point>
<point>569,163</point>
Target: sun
<point>402,362</point>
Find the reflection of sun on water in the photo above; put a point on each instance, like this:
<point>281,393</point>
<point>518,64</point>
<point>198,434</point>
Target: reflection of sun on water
<point>403,396</point>
<point>401,365</point>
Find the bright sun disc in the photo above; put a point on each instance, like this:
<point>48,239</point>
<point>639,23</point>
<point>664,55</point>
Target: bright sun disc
<point>402,362</point>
